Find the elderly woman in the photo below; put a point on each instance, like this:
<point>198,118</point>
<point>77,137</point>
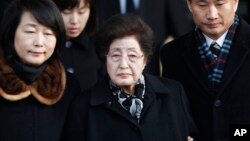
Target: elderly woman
<point>35,90</point>
<point>129,105</point>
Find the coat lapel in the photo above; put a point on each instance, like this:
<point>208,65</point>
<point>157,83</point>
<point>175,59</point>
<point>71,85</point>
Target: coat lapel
<point>154,87</point>
<point>102,95</point>
<point>192,59</point>
<point>237,56</point>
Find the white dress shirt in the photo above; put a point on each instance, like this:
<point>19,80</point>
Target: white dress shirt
<point>123,5</point>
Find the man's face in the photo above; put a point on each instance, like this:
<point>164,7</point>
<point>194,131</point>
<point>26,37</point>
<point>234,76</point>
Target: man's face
<point>213,17</point>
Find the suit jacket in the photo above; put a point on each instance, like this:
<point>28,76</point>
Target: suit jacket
<point>97,115</point>
<point>213,113</point>
<point>165,17</point>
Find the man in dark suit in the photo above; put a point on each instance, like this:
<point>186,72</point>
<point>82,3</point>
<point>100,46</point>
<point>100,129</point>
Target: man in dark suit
<point>165,17</point>
<point>216,82</point>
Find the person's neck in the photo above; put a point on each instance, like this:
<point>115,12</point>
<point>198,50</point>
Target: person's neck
<point>128,89</point>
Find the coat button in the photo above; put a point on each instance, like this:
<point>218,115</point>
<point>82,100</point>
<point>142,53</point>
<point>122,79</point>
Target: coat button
<point>136,129</point>
<point>70,70</point>
<point>217,103</point>
<point>108,104</point>
<point>68,44</point>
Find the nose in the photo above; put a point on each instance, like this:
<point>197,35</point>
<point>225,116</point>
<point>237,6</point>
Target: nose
<point>212,12</point>
<point>124,63</point>
<point>38,41</point>
<point>73,18</point>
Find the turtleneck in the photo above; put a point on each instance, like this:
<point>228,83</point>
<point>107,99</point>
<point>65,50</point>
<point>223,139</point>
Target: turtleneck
<point>26,72</point>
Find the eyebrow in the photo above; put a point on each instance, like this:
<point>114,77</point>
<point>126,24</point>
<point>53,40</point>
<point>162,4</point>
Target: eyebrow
<point>202,1</point>
<point>30,24</point>
<point>120,49</point>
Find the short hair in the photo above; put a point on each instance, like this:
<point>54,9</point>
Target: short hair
<point>70,4</point>
<point>44,11</point>
<point>122,25</point>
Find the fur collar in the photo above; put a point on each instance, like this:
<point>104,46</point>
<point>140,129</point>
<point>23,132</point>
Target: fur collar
<point>47,89</point>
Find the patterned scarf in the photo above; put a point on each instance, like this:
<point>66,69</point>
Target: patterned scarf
<point>131,103</point>
<point>215,66</point>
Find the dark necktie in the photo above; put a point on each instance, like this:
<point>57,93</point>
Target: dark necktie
<point>130,6</point>
<point>215,49</point>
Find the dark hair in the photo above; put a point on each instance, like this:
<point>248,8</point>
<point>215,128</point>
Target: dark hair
<point>119,26</point>
<point>44,11</point>
<point>70,4</point>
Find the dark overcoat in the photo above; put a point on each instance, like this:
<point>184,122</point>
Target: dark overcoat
<point>212,112</point>
<point>81,60</point>
<point>29,116</point>
<point>97,115</point>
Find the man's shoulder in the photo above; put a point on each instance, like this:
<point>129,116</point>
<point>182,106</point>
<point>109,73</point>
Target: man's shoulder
<point>178,44</point>
<point>243,31</point>
<point>180,40</point>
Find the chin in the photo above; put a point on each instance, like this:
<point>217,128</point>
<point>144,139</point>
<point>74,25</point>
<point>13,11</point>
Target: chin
<point>73,35</point>
<point>123,83</point>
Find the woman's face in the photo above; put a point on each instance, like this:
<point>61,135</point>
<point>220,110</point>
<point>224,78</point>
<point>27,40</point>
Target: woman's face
<point>75,19</point>
<point>34,43</point>
<point>125,62</point>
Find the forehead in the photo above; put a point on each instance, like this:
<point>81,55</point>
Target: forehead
<point>125,43</point>
<point>28,20</point>
<point>27,17</point>
<point>82,4</point>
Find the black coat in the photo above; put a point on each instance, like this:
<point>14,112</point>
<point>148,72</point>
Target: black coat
<point>97,115</point>
<point>81,57</point>
<point>33,118</point>
<point>213,113</point>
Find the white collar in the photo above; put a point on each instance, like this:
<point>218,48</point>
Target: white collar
<point>218,41</point>
<point>123,5</point>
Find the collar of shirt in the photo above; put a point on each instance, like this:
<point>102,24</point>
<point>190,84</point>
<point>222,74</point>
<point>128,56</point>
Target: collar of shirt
<point>123,5</point>
<point>218,41</point>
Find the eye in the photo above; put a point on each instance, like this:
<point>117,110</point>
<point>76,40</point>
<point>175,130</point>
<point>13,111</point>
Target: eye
<point>115,57</point>
<point>132,56</point>
<point>48,34</point>
<point>202,4</point>
<point>81,12</point>
<point>29,31</point>
<point>220,3</point>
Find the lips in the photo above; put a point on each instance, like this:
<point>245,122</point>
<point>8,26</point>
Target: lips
<point>212,24</point>
<point>124,74</point>
<point>73,30</point>
<point>36,53</point>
